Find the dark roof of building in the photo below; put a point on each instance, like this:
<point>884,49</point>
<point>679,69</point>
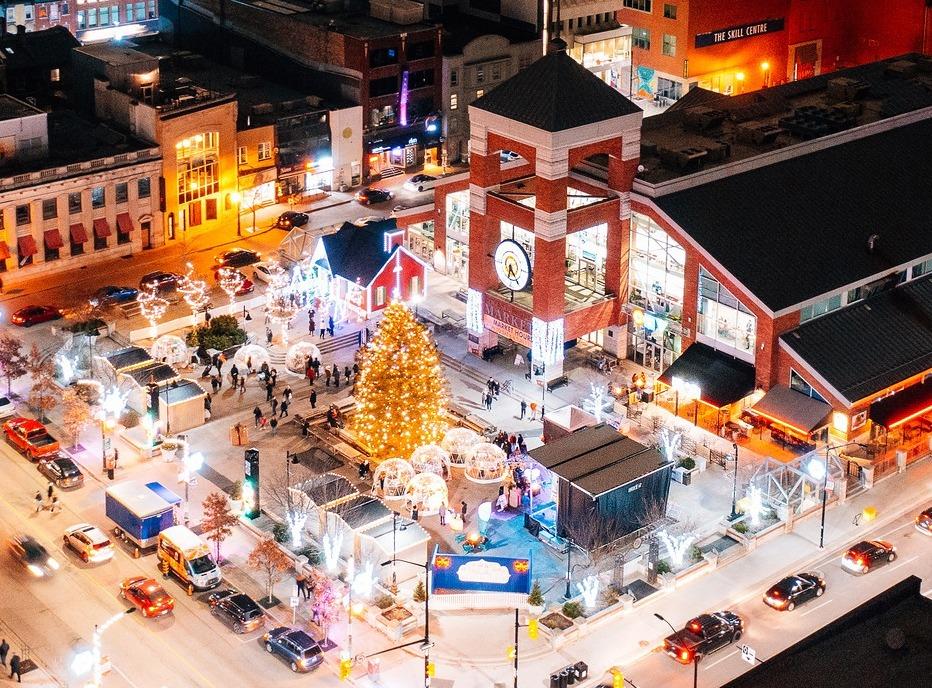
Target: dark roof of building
<point>556,93</point>
<point>870,345</point>
<point>797,229</point>
<point>722,379</point>
<point>598,459</point>
<point>460,30</point>
<point>127,357</point>
<point>884,641</point>
<point>45,49</point>
<point>358,253</point>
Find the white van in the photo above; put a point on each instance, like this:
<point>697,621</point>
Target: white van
<point>188,557</point>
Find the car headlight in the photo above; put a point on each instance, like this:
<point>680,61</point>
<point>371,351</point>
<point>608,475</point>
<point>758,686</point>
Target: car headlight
<point>53,564</point>
<point>35,570</point>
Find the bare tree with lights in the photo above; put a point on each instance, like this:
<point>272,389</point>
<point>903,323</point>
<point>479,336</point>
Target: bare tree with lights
<point>280,306</point>
<point>151,306</point>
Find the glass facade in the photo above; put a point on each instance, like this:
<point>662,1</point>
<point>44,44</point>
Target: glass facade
<point>723,318</point>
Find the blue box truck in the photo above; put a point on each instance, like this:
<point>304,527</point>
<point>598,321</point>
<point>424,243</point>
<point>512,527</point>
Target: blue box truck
<point>141,510</point>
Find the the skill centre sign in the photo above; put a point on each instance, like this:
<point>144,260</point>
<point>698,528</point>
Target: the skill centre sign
<point>737,33</point>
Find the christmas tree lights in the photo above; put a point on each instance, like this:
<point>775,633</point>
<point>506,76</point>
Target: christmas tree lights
<point>400,394</point>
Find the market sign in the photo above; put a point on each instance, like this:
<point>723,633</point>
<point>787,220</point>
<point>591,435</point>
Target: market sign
<point>737,33</point>
<point>453,573</point>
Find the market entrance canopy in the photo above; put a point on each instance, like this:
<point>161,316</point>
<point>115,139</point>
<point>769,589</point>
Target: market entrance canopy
<point>793,409</point>
<point>718,378</point>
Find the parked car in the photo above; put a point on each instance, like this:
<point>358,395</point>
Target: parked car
<point>62,471</point>
<point>27,551</point>
<point>703,635</point>
<point>372,195</point>
<point>237,258</point>
<point>290,219</point>
<point>114,294</point>
<point>30,437</point>
<point>27,316</point>
<point>88,542</point>
<point>793,591</point>
<point>299,649</point>
<point>923,520</point>
<point>867,554</point>
<point>245,288</point>
<point>162,280</point>
<point>263,271</point>
<point>237,610</point>
<point>7,408</point>
<point>421,182</point>
<point>147,596</point>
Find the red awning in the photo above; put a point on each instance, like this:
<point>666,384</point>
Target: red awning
<point>101,228</point>
<point>124,223</point>
<point>4,250</point>
<point>53,239</point>
<point>26,246</point>
<point>78,233</point>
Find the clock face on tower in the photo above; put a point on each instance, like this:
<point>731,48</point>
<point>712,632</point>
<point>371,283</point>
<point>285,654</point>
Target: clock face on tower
<point>512,265</point>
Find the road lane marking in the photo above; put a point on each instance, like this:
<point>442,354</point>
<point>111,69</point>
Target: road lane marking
<point>818,606</point>
<point>719,660</point>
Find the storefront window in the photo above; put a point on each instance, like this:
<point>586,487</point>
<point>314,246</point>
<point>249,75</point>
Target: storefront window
<point>585,257</point>
<point>198,160</point>
<point>458,215</point>
<point>656,269</point>
<point>722,317</point>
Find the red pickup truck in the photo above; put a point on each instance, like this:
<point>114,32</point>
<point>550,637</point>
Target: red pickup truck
<point>30,437</point>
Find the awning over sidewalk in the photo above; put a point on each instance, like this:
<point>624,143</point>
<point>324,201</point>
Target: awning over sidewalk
<point>896,409</point>
<point>793,409</point>
<point>721,379</point>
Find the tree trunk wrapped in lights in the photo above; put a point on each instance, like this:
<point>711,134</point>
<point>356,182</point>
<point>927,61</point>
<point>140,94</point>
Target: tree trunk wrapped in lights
<point>400,393</point>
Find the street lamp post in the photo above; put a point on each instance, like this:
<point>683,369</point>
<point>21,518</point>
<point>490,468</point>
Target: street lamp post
<point>734,487</point>
<point>696,657</point>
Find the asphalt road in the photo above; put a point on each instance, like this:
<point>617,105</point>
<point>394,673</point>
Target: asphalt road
<point>769,631</point>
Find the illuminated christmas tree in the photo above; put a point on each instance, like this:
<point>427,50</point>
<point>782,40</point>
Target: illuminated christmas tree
<point>400,393</point>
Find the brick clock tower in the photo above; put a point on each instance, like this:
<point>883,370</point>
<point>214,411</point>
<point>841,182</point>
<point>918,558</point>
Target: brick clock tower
<point>547,244</point>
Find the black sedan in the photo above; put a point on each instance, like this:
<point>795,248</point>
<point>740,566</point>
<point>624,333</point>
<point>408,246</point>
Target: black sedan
<point>291,218</point>
<point>237,258</point>
<point>793,591</point>
<point>299,649</point>
<point>33,315</point>
<point>114,294</point>
<point>373,195</point>
<point>37,560</point>
<point>62,471</point>
<point>867,554</point>
<point>237,610</point>
<point>161,280</point>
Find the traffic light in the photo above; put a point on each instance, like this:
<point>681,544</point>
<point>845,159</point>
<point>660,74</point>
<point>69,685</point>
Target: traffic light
<point>430,669</point>
<point>512,652</point>
<point>346,664</point>
<point>532,629</point>
<point>618,678</point>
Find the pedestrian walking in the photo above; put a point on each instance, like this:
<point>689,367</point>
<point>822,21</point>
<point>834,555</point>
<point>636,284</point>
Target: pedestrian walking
<point>284,409</point>
<point>268,390</point>
<point>327,374</point>
<point>463,511</point>
<point>287,393</point>
<point>242,386</point>
<point>15,667</point>
<point>523,408</point>
<point>38,501</point>
<point>313,399</point>
<point>257,414</point>
<point>533,410</point>
<point>274,403</point>
<point>4,650</point>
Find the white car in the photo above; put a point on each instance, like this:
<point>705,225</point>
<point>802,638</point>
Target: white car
<point>7,408</point>
<point>89,542</point>
<point>421,182</point>
<point>262,272</point>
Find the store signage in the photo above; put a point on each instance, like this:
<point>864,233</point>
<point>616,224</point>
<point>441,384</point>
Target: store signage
<point>479,573</point>
<point>737,33</point>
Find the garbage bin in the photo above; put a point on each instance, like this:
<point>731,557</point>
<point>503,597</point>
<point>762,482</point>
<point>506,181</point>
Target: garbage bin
<point>568,676</point>
<point>554,680</point>
<point>582,671</point>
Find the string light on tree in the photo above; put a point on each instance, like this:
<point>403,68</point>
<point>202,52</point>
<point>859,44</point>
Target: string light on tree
<point>400,393</point>
<point>279,306</point>
<point>194,290</point>
<point>231,281</point>
<point>151,306</point>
